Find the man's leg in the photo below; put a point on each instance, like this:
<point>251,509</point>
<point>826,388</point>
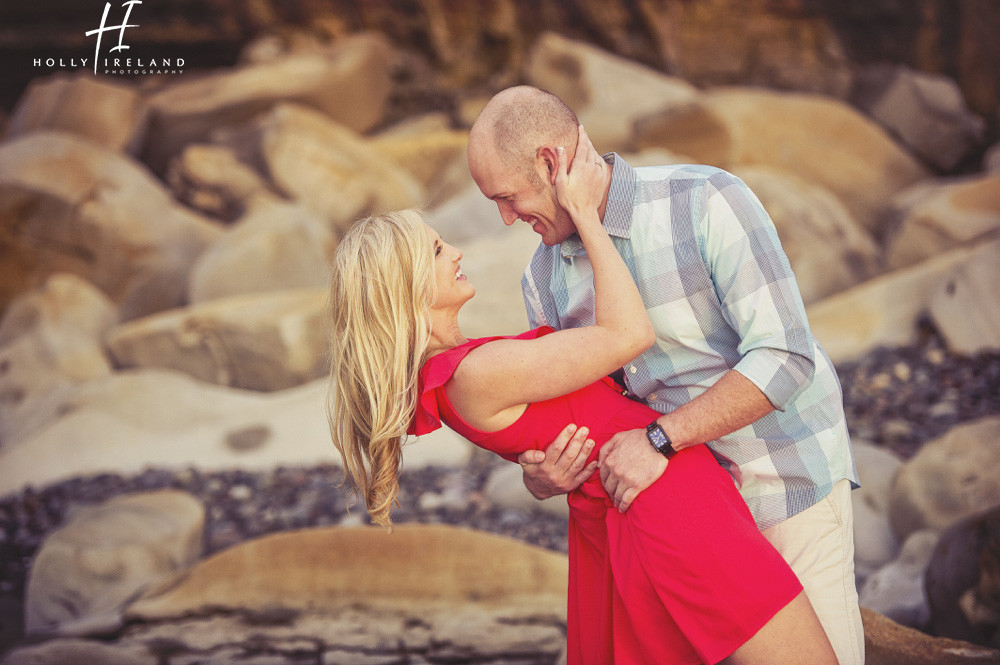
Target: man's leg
<point>818,543</point>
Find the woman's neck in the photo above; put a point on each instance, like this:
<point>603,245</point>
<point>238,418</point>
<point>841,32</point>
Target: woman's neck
<point>445,334</point>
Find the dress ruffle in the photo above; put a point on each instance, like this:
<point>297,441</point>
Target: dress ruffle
<point>436,372</point>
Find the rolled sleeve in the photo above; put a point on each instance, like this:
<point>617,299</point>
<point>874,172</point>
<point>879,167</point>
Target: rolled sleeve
<point>758,292</point>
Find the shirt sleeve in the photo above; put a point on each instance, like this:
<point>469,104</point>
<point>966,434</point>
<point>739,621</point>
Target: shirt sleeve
<point>757,289</point>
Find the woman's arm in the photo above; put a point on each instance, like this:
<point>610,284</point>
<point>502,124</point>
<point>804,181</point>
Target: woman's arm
<point>510,373</point>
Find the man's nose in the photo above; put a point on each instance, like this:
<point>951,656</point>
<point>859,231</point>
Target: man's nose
<point>507,213</point>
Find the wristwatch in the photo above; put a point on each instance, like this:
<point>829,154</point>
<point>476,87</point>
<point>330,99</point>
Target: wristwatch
<point>659,439</point>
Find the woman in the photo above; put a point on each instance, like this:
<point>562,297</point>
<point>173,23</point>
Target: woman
<point>683,576</point>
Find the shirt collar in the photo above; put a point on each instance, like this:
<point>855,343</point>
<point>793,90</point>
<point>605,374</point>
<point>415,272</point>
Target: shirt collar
<point>617,213</point>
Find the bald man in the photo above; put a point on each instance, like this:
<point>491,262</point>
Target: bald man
<point>734,367</point>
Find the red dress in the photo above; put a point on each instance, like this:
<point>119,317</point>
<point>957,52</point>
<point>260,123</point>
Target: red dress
<point>683,576</point>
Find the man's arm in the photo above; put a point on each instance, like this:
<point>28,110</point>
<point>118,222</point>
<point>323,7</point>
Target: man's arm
<point>628,462</point>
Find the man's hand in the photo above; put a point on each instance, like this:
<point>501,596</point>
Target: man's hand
<point>629,464</point>
<point>562,467</point>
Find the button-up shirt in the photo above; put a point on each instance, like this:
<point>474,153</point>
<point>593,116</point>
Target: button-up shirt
<point>721,295</point>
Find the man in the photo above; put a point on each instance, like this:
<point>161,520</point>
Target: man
<point>734,366</point>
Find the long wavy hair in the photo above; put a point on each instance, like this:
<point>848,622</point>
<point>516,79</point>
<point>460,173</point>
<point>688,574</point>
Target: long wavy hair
<point>382,288</point>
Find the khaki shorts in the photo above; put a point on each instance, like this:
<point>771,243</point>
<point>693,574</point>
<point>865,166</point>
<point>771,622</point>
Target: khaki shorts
<point>818,543</point>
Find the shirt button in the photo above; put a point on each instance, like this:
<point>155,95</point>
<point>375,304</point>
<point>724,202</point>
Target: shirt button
<point>632,369</point>
<point>653,397</point>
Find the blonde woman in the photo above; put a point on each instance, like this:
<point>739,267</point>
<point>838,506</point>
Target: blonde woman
<point>683,576</point>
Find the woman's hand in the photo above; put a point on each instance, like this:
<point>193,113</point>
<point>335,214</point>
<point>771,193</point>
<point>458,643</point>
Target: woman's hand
<point>580,184</point>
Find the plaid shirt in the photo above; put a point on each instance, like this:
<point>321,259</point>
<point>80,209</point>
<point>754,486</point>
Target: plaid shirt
<point>721,295</point>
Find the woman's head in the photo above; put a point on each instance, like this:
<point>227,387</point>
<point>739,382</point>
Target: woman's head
<point>383,287</point>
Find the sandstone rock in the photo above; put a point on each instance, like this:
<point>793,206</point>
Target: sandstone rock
<point>106,113</point>
<point>323,164</point>
<point>276,246</point>
<point>211,179</point>
<point>431,151</point>
<point>76,651</point>
<point>607,92</point>
<point>962,579</point>
<point>68,205</point>
<point>965,308</point>
<point>268,342</point>
<point>950,478</point>
<point>821,140</point>
<point>140,419</point>
<point>875,544</point>
<point>415,566</point>
<point>897,589</point>
<point>884,311</point>
<point>827,249</point>
<point>505,489</point>
<point>351,84</point>
<point>468,217</point>
<point>50,341</point>
<point>938,215</point>
<point>925,111</point>
<point>888,643</point>
<point>87,571</point>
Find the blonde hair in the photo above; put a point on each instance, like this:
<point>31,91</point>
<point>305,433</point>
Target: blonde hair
<point>381,292</point>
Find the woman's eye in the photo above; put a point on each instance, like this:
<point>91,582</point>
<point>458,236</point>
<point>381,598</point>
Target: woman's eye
<point>437,249</point>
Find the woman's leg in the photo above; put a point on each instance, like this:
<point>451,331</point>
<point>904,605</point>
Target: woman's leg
<point>793,636</point>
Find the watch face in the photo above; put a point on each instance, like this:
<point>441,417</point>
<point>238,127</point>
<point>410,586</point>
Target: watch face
<point>657,438</point>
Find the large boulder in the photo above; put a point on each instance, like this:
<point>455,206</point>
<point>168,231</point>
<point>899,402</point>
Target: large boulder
<point>941,214</point>
<point>925,111</point>
<point>100,110</point>
<point>90,569</point>
<point>950,478</point>
<point>888,643</point>
<point>827,249</point>
<point>885,310</point>
<point>268,342</point>
<point>51,340</point>
<point>139,419</point>
<point>211,179</point>
<point>68,205</point>
<point>897,589</point>
<point>350,83</point>
<point>962,580</point>
<point>822,140</point>
<point>607,92</point>
<point>327,166</point>
<point>875,544</point>
<point>965,307</point>
<point>276,246</point>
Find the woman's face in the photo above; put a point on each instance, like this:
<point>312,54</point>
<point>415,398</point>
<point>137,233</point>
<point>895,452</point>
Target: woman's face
<point>453,288</point>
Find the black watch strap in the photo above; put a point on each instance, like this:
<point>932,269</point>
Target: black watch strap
<point>659,440</point>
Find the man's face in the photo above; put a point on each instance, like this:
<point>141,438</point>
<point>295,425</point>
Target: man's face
<point>518,196</point>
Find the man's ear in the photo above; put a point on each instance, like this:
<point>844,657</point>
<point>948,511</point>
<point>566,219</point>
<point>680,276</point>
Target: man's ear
<point>547,163</point>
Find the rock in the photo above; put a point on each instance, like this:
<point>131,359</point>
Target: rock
<point>268,342</point>
<point>950,478</point>
<point>888,643</point>
<point>962,579</point>
<point>821,140</point>
<point>87,571</point>
<point>607,92</point>
<point>827,249</point>
<point>897,589</point>
<point>325,165</point>
<point>74,651</point>
<point>104,112</point>
<point>885,310</point>
<point>276,246</point>
<point>68,205</point>
<point>350,83</point>
<point>415,567</point>
<point>965,308</point>
<point>941,214</point>
<point>505,489</point>
<point>139,419</point>
<point>431,151</point>
<point>211,179</point>
<point>875,544</point>
<point>51,340</point>
<point>468,217</point>
<point>925,111</point>
<point>991,160</point>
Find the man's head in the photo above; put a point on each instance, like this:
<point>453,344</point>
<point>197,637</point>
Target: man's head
<point>512,157</point>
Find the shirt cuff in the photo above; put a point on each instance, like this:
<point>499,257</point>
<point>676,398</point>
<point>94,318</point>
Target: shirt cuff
<point>779,374</point>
